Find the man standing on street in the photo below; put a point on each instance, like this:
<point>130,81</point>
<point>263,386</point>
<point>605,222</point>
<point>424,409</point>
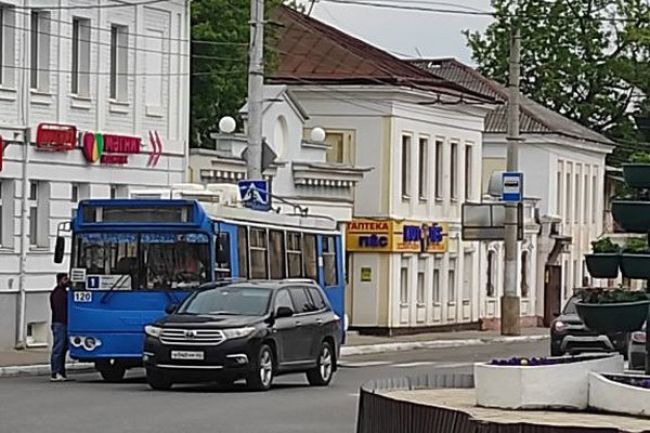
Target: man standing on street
<point>59,306</point>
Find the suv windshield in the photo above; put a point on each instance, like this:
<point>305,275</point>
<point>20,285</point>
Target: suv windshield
<point>570,307</point>
<point>240,301</point>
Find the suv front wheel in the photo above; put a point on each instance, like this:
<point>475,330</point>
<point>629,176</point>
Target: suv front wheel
<point>322,374</point>
<point>261,376</point>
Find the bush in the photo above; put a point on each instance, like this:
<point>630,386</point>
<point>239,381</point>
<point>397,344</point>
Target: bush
<point>610,296</point>
<point>605,245</point>
<point>636,246</point>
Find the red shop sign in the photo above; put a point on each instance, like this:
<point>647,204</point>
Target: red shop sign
<point>56,138</point>
<point>108,148</point>
<point>2,151</point>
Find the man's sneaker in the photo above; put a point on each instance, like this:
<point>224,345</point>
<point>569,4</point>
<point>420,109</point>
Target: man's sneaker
<point>58,378</point>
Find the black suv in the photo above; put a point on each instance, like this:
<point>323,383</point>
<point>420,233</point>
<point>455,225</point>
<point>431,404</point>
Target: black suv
<point>570,335</point>
<point>253,330</point>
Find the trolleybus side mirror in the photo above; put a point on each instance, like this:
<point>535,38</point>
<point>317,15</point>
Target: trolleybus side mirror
<point>283,311</point>
<point>171,308</point>
<point>59,249</point>
<point>223,250</point>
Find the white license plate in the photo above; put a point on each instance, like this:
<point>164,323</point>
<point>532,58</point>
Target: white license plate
<point>184,355</point>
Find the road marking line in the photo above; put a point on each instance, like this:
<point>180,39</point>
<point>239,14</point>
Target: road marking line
<point>363,364</point>
<point>414,364</point>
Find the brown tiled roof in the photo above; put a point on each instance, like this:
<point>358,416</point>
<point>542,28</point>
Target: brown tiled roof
<point>534,118</point>
<point>310,51</point>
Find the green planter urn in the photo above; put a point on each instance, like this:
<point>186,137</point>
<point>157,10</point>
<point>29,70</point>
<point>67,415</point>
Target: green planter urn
<point>635,266</point>
<point>603,265</point>
<point>633,216</point>
<point>637,175</point>
<point>614,317</point>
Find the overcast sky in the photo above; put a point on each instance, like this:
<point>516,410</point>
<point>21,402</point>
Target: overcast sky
<point>404,33</point>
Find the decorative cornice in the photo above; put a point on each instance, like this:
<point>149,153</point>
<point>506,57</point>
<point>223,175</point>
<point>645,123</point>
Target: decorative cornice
<point>327,174</point>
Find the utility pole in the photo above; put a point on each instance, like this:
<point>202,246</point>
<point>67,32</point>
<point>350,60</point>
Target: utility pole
<point>510,300</point>
<point>255,91</point>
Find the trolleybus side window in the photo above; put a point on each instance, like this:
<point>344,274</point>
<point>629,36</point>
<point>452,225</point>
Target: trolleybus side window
<point>222,256</point>
<point>294,255</point>
<point>329,261</point>
<point>276,254</point>
<point>243,251</point>
<point>311,256</point>
<point>258,251</point>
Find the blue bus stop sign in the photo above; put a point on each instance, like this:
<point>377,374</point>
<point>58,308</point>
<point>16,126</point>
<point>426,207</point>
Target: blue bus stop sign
<point>255,194</point>
<point>513,187</point>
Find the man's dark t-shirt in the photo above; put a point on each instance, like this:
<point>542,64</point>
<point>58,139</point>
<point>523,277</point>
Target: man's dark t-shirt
<point>59,305</point>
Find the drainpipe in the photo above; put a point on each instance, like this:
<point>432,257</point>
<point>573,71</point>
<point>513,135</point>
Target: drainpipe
<point>21,309</point>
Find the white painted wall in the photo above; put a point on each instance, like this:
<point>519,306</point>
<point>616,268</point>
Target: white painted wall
<point>157,99</point>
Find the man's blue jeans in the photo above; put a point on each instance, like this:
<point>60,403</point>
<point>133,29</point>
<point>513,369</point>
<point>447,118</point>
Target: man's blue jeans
<point>59,348</point>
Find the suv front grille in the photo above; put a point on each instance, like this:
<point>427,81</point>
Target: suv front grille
<point>191,337</point>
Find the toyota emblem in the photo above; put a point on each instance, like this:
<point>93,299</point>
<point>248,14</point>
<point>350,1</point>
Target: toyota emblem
<point>190,334</point>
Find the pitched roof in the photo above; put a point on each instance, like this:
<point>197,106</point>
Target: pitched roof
<point>312,52</point>
<point>534,118</point>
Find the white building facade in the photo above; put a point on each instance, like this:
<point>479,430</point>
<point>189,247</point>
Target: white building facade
<point>94,103</point>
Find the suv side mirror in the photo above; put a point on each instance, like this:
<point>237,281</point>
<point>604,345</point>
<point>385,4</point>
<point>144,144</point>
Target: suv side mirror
<point>59,249</point>
<point>284,312</point>
<point>171,308</point>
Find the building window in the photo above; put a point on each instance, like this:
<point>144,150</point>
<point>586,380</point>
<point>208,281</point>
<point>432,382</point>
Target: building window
<point>7,46</point>
<point>80,57</point>
<point>40,51</point>
<point>437,266</point>
<point>6,213</point>
<point>294,255</point>
<point>339,147</point>
<point>119,63</point>
<point>452,280</point>
<point>404,284</point>
<point>578,197</point>
<point>491,274</point>
<point>329,261</point>
<point>525,288</point>
<point>587,194</point>
<point>468,279</point>
<point>276,254</point>
<point>423,169</point>
<point>594,200</point>
<point>454,171</point>
<point>39,214</point>
<point>258,247</point>
<point>310,256</point>
<point>568,198</point>
<point>468,172</point>
<point>406,166</point>
<point>558,194</point>
<point>439,171</point>
<point>420,292</point>
<point>242,234</point>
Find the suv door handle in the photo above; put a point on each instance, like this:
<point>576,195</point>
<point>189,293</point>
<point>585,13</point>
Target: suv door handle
<point>298,323</point>
<point>319,321</point>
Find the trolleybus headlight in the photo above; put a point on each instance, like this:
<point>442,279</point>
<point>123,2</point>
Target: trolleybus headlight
<point>91,343</point>
<point>238,332</point>
<point>76,341</point>
<point>152,331</point>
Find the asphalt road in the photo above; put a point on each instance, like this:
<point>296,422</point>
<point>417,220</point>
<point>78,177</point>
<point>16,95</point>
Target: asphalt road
<point>33,405</point>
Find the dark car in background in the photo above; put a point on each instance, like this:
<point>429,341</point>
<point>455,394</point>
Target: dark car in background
<point>637,350</point>
<point>252,331</point>
<point>569,335</point>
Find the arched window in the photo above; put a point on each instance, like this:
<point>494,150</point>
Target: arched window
<point>491,273</point>
<point>280,136</point>
<point>525,287</point>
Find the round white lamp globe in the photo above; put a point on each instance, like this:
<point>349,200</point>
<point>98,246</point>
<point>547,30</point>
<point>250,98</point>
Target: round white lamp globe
<point>227,125</point>
<point>318,134</point>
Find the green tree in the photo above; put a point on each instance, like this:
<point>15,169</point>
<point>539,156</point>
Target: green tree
<point>586,59</point>
<point>219,63</point>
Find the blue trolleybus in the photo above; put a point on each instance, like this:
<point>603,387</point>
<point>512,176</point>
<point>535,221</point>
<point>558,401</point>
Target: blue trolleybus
<point>131,259</point>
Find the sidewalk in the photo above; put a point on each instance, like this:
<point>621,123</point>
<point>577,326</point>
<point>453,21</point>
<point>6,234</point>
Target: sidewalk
<point>35,362</point>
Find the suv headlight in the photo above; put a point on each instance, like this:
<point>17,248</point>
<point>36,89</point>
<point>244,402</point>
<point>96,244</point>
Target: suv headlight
<point>238,332</point>
<point>152,331</point>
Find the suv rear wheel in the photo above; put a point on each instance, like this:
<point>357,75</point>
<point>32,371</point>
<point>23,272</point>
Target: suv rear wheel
<point>322,374</point>
<point>261,377</point>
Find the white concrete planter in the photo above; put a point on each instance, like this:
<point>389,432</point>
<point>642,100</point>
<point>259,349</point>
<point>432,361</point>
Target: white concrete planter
<point>611,396</point>
<point>540,387</point>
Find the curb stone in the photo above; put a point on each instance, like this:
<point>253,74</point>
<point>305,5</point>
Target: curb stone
<point>434,344</point>
<point>367,349</point>
<point>42,369</point>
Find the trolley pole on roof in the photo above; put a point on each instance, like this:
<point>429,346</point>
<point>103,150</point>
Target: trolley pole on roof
<point>510,301</point>
<point>255,91</point>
